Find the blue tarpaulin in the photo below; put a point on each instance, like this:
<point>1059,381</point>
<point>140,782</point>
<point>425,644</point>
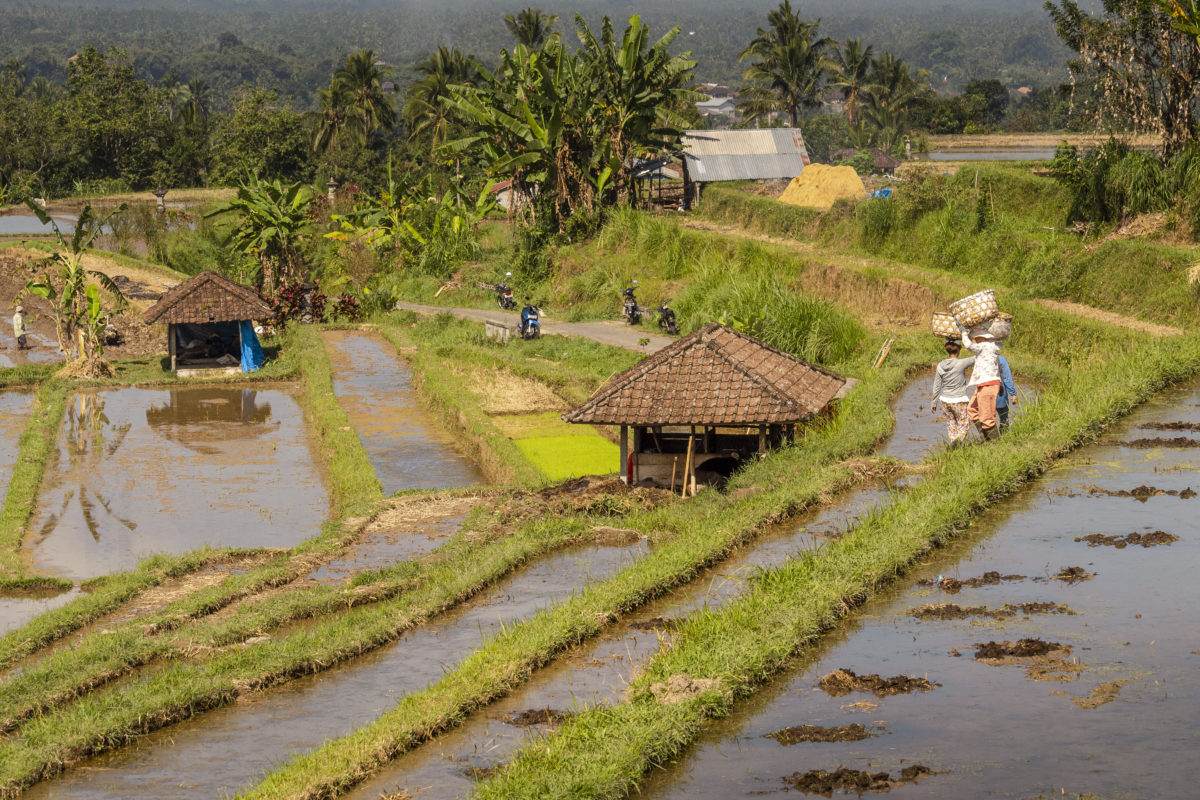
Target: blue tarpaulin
<point>881,193</point>
<point>252,354</point>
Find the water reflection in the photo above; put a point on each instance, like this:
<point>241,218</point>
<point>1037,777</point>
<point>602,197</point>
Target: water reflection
<point>194,417</point>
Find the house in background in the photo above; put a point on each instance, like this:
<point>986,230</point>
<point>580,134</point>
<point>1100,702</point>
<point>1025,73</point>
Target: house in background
<point>762,154</point>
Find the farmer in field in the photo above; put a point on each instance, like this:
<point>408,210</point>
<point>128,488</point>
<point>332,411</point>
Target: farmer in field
<point>950,388</point>
<point>19,332</point>
<point>1008,393</point>
<point>982,408</point>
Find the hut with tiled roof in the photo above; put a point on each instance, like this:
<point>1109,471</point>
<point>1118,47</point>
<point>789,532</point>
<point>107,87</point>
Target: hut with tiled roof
<point>705,403</point>
<point>209,323</point>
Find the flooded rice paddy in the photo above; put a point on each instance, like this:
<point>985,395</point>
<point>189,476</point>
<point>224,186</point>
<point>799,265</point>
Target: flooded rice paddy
<point>143,471</point>
<point>227,749</point>
<point>406,447</point>
<point>1089,691</point>
<point>14,412</point>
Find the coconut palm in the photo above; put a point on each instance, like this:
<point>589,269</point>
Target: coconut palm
<point>334,122</point>
<point>788,62</point>
<point>360,84</point>
<point>851,74</point>
<point>531,27</point>
<point>892,92</point>
<point>428,116</point>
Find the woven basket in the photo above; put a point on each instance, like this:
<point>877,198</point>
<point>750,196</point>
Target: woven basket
<point>979,307</point>
<point>944,325</point>
<point>998,327</point>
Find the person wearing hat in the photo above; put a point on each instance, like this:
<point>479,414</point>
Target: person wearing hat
<point>986,375</point>
<point>950,388</point>
<point>19,332</point>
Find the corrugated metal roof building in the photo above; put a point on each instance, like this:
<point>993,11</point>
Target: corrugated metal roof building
<point>763,154</point>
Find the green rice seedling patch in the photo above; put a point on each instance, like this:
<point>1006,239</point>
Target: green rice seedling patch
<point>534,426</point>
<point>571,456</point>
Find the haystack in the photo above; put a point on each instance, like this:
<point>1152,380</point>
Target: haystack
<point>820,185</point>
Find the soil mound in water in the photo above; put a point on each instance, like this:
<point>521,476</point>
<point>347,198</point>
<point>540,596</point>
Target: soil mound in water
<point>537,716</point>
<point>1070,575</point>
<point>844,681</point>
<point>817,733</point>
<point>818,781</point>
<point>820,185</point>
<point>1146,444</point>
<point>952,611</point>
<point>1172,426</point>
<point>1121,542</point>
<point>1022,648</point>
<point>954,585</point>
<point>1143,493</point>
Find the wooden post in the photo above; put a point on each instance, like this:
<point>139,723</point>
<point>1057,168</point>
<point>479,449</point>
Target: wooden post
<point>687,468</point>
<point>674,464</point>
<point>171,344</point>
<point>624,453</point>
<point>762,440</point>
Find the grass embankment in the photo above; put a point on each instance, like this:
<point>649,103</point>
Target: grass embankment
<point>500,392</point>
<point>603,752</point>
<point>934,223</point>
<point>687,536</point>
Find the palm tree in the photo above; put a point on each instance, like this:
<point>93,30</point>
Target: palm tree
<point>334,122</point>
<point>852,69</point>
<point>427,115</point>
<point>892,92</point>
<point>531,27</point>
<point>361,79</point>
<point>788,63</point>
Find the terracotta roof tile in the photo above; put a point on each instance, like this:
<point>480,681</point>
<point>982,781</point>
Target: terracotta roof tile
<point>715,376</point>
<point>208,297</point>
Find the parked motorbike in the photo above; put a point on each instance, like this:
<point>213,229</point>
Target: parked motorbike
<point>666,320</point>
<point>531,326</point>
<point>504,295</point>
<point>630,311</point>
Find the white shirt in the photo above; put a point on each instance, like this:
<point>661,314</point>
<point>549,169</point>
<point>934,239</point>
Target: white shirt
<point>987,360</point>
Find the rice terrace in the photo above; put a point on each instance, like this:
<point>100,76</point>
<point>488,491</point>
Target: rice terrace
<point>567,424</point>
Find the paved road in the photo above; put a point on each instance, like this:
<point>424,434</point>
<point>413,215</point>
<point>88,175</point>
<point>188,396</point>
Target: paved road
<point>617,334</point>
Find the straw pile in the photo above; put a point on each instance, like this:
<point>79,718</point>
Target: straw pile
<point>819,185</point>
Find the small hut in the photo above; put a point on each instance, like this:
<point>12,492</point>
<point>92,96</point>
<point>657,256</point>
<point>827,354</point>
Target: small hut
<point>881,162</point>
<point>721,394</point>
<point>209,324</point>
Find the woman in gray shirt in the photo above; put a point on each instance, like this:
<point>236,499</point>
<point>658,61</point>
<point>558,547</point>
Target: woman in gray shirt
<point>950,387</point>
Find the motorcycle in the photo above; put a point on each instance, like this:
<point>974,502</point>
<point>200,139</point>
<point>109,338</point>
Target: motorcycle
<point>666,320</point>
<point>531,326</point>
<point>504,295</point>
<point>630,311</point>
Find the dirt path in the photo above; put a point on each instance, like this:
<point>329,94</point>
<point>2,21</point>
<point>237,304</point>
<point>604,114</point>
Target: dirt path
<point>1077,309</point>
<point>612,333</point>
<point>1110,318</point>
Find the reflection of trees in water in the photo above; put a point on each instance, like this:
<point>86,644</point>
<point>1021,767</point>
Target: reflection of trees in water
<point>192,416</point>
<point>91,440</point>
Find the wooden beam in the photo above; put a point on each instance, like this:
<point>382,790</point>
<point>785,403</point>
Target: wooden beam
<point>624,468</point>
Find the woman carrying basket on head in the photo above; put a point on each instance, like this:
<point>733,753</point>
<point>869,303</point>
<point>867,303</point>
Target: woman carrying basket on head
<point>950,387</point>
<point>982,408</point>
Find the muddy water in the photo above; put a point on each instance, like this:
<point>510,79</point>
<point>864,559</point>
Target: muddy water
<point>14,412</point>
<point>404,444</point>
<point>386,548</point>
<point>141,471</point>
<point>42,349</point>
<point>1121,723</point>
<point>918,431</point>
<point>227,749</point>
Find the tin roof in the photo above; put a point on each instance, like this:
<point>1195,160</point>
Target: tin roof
<point>208,297</point>
<point>715,376</point>
<point>763,154</point>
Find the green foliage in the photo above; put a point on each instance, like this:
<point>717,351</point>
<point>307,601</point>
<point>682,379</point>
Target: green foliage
<point>270,219</point>
<point>264,136</point>
<point>787,67</point>
<point>876,219</point>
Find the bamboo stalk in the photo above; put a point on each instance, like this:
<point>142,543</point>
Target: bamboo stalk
<point>674,464</point>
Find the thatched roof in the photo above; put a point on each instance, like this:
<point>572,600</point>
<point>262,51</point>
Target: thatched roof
<point>208,297</point>
<point>715,376</point>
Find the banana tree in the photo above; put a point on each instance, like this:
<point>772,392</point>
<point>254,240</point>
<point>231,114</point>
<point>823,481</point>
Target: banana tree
<point>271,222</point>
<point>71,290</point>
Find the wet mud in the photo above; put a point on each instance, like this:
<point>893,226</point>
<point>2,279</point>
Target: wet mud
<point>655,624</point>
<point>1021,731</point>
<point>1146,444</point>
<point>220,752</point>
<point>1151,539</point>
<point>944,611</point>
<point>1173,425</point>
<point>405,444</point>
<point>1072,575</point>
<point>1015,651</point>
<point>537,716</point>
<point>842,682</point>
<point>844,780</point>
<point>954,585</point>
<point>1143,493</point>
<point>817,733</point>
<point>144,471</point>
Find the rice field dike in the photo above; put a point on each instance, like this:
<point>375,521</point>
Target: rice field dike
<point>170,641</point>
